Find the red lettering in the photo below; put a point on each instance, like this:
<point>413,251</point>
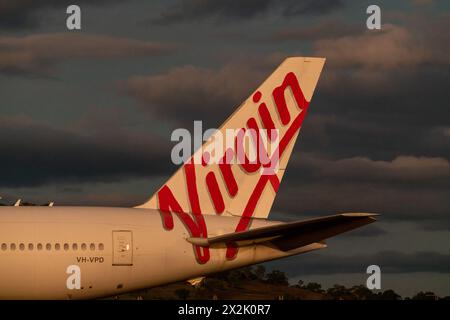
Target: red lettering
<point>249,210</point>
<point>196,225</point>
<point>266,120</point>
<point>225,168</point>
<point>280,100</point>
<point>214,192</point>
<point>168,204</point>
<point>249,166</point>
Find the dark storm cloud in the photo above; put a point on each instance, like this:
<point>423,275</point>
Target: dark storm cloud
<point>407,188</point>
<point>17,14</point>
<point>388,261</point>
<point>402,170</point>
<point>367,231</point>
<point>335,130</point>
<point>304,7</point>
<point>188,93</point>
<point>385,117</point>
<point>384,94</point>
<point>39,54</point>
<point>373,98</point>
<point>35,153</point>
<point>193,10</point>
<point>391,48</point>
<point>323,29</point>
<point>192,93</point>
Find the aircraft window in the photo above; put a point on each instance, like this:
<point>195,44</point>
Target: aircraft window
<point>57,246</point>
<point>83,246</point>
<point>12,246</point>
<point>48,246</point>
<point>39,246</point>
<point>92,247</point>
<point>21,247</point>
<point>101,246</point>
<point>74,246</point>
<point>4,246</point>
<point>30,246</point>
<point>66,246</point>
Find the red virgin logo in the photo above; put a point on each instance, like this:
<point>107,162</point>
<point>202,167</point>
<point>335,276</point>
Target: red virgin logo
<point>194,221</point>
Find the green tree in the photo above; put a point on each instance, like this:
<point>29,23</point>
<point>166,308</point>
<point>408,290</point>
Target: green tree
<point>277,277</point>
<point>247,273</point>
<point>314,287</point>
<point>337,291</point>
<point>425,296</point>
<point>361,292</point>
<point>182,294</point>
<point>390,295</point>
<point>260,272</point>
<point>235,278</point>
<point>213,283</point>
<point>300,284</point>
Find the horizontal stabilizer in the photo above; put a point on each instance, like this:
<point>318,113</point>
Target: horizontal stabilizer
<point>291,235</point>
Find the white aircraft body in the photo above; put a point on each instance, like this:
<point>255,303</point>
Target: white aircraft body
<point>207,218</point>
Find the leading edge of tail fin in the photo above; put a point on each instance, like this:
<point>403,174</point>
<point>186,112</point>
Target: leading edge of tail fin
<point>238,170</point>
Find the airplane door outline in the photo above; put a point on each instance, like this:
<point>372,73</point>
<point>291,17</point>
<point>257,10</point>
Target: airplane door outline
<point>122,248</point>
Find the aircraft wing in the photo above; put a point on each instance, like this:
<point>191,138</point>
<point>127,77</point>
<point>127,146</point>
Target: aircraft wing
<point>291,235</point>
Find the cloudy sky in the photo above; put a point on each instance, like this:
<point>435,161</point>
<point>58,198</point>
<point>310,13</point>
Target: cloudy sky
<point>86,116</point>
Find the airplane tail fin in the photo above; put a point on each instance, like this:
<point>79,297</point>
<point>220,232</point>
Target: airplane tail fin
<point>238,170</point>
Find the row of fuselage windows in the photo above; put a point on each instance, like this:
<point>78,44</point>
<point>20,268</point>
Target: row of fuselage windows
<point>50,246</point>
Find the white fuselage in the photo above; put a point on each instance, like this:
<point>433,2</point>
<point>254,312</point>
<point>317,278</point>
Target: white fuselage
<point>117,250</point>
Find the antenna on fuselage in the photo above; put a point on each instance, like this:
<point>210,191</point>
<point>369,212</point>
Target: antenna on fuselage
<point>51,204</point>
<point>18,202</point>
